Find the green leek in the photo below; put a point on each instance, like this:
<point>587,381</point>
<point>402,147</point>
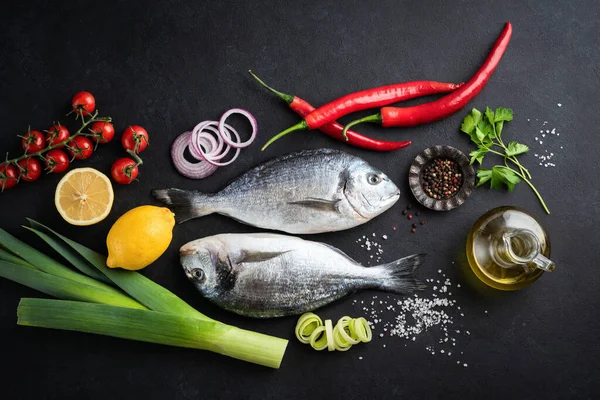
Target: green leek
<point>153,327</point>
<point>45,263</point>
<point>171,321</point>
<point>63,288</point>
<point>7,256</point>
<point>144,290</point>
<point>71,257</point>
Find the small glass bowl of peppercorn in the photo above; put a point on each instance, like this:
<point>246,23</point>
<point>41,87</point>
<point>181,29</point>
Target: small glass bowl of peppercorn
<point>441,178</point>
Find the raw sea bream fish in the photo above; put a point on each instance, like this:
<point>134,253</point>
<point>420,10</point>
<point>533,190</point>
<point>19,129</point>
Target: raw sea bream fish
<point>311,191</point>
<point>265,275</point>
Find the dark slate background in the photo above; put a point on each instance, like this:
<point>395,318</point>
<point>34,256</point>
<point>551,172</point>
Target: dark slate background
<point>167,65</point>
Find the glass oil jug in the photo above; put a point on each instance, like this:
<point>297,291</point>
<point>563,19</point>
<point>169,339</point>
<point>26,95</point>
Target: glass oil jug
<point>508,249</point>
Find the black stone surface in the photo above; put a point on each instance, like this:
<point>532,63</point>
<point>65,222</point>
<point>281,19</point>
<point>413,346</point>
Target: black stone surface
<point>167,65</point>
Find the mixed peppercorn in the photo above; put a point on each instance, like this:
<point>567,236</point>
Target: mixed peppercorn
<point>442,179</point>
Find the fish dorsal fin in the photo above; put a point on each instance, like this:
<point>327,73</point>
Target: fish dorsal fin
<point>318,204</point>
<point>341,253</point>
<point>260,256</point>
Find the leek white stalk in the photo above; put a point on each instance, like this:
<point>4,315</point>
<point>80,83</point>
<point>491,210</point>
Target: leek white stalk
<point>153,327</point>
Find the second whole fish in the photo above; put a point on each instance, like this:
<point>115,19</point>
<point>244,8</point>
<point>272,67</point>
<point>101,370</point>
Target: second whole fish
<point>307,192</point>
<point>265,275</point>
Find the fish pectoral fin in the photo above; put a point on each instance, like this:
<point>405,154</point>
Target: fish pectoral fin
<point>260,256</point>
<point>318,204</point>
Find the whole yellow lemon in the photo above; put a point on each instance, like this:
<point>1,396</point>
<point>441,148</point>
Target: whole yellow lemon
<point>139,237</point>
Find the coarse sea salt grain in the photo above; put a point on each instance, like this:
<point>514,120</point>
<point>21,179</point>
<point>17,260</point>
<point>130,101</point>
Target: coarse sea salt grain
<point>544,159</point>
<point>426,316</point>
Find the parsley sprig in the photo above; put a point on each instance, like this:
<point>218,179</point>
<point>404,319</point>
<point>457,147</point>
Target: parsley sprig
<point>485,130</point>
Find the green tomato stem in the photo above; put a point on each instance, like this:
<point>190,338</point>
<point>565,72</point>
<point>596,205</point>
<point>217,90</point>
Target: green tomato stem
<point>137,158</point>
<point>94,118</point>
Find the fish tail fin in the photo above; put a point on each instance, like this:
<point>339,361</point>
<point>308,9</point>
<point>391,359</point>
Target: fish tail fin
<point>185,204</point>
<point>398,276</point>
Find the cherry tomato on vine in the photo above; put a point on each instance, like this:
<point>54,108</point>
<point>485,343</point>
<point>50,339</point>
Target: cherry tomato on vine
<point>83,103</point>
<point>124,171</point>
<point>57,161</point>
<point>8,176</point>
<point>57,134</point>
<point>33,141</point>
<point>103,131</point>
<point>135,138</point>
<point>81,148</point>
<point>31,169</point>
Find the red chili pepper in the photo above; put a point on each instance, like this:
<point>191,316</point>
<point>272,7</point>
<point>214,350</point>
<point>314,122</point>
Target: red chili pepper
<point>447,105</point>
<point>333,129</point>
<point>365,99</point>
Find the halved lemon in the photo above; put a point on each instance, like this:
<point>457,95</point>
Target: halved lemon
<point>84,196</point>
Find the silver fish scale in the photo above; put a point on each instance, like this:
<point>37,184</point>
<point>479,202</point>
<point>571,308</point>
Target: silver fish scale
<point>307,192</point>
<point>265,193</point>
<point>268,275</point>
<point>294,282</point>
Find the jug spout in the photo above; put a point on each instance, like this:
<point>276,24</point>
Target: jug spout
<point>543,263</point>
<point>523,247</point>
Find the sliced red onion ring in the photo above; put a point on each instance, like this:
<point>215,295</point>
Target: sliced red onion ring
<point>198,170</point>
<point>202,130</point>
<point>209,142</point>
<point>239,143</point>
<point>199,132</point>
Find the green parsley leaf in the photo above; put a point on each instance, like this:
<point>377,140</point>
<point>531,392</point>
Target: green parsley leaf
<point>503,176</point>
<point>499,126</point>
<point>514,149</point>
<point>468,125</point>
<point>477,155</point>
<point>479,135</point>
<point>483,175</point>
<point>498,176</point>
<point>503,114</point>
<point>486,128</point>
<point>476,115</point>
<point>506,176</point>
<point>471,121</point>
<point>489,114</point>
<point>485,131</point>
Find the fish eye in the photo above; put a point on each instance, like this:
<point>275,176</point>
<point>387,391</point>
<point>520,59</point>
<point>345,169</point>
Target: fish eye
<point>373,179</point>
<point>198,274</point>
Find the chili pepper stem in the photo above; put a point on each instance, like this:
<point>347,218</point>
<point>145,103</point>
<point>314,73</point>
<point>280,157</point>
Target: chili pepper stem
<point>302,125</point>
<point>375,118</point>
<point>285,97</point>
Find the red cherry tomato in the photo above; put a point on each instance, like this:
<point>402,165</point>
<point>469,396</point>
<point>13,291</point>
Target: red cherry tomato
<point>31,169</point>
<point>81,148</point>
<point>124,171</point>
<point>103,131</point>
<point>57,134</point>
<point>57,161</point>
<point>135,138</point>
<point>33,141</point>
<point>8,176</point>
<point>83,103</point>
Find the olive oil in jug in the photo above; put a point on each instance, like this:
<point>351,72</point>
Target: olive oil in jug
<point>508,249</point>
